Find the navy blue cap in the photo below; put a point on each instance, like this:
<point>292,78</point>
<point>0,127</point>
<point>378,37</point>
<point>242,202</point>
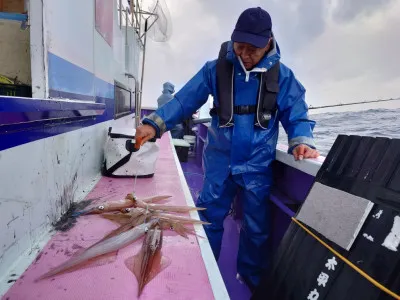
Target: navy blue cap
<point>254,27</point>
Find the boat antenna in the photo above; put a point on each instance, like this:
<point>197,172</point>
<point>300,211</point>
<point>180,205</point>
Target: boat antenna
<point>153,20</point>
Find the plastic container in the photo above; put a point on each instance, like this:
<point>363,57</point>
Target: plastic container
<point>182,149</point>
<point>191,139</point>
<point>303,268</point>
<point>15,90</point>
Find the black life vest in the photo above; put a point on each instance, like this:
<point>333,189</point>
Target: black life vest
<point>267,93</point>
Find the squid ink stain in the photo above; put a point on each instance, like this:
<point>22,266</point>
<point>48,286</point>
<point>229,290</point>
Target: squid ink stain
<point>38,257</point>
<point>67,221</point>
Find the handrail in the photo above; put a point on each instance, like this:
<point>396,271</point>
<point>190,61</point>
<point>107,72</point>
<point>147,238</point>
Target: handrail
<point>17,111</point>
<point>309,166</point>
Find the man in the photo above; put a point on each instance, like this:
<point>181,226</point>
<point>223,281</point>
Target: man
<point>168,89</point>
<point>242,138</point>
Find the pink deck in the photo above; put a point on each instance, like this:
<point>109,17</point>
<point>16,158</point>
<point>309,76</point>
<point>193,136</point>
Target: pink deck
<point>185,278</point>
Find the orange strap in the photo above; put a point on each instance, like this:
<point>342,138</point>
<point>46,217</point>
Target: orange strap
<point>349,263</point>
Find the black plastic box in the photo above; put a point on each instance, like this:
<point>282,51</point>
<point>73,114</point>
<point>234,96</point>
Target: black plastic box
<point>15,90</point>
<point>302,267</point>
<point>182,149</point>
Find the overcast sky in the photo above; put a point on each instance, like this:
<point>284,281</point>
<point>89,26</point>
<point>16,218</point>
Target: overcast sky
<point>340,50</point>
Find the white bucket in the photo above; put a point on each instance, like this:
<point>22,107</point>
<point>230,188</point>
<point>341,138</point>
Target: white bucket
<point>191,139</point>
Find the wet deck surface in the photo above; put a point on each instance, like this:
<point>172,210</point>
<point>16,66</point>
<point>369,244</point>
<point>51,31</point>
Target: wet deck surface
<point>230,243</point>
<point>109,278</point>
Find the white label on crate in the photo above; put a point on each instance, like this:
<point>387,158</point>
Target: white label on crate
<point>331,264</point>
<point>322,279</point>
<point>313,295</point>
<point>368,237</point>
<point>393,239</point>
<point>337,215</point>
<point>378,214</point>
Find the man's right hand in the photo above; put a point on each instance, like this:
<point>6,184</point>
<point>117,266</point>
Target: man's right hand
<point>146,132</point>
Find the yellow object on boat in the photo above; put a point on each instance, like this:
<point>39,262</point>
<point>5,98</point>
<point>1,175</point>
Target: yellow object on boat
<point>5,80</point>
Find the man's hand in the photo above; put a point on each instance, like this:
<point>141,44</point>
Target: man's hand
<point>303,151</point>
<point>146,132</point>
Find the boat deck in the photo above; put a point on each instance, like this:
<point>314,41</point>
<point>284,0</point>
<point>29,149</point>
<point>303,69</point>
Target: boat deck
<point>230,242</point>
<point>285,200</point>
<point>193,273</point>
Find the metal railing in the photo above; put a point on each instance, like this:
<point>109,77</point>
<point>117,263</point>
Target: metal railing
<point>132,17</point>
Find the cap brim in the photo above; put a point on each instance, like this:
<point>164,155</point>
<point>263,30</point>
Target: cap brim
<point>252,39</point>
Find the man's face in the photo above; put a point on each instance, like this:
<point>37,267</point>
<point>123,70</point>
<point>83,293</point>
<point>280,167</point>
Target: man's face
<point>249,54</point>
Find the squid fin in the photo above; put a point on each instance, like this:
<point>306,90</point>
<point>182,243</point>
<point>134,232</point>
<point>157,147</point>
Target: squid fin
<point>170,208</point>
<point>157,199</point>
<point>68,267</point>
<point>134,264</point>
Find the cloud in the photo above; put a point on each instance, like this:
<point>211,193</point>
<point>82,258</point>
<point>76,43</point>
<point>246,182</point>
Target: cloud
<point>340,50</point>
<point>347,11</point>
<point>356,60</point>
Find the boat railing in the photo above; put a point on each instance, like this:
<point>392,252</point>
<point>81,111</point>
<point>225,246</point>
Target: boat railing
<point>308,166</point>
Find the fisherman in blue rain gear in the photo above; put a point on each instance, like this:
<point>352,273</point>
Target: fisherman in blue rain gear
<point>252,92</point>
<point>168,89</point>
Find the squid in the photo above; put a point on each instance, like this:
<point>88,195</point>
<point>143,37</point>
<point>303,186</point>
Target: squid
<point>103,247</point>
<point>149,262</point>
<point>118,205</point>
<point>119,218</point>
<point>170,208</point>
<point>181,219</point>
<point>137,216</point>
<point>178,227</point>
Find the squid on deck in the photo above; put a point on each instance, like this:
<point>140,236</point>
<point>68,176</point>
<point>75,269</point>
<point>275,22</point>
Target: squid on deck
<point>119,204</point>
<point>170,208</point>
<point>137,216</point>
<point>149,262</point>
<point>103,247</point>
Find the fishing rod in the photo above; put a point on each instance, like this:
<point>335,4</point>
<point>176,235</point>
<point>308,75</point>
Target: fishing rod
<point>352,103</point>
<point>208,119</point>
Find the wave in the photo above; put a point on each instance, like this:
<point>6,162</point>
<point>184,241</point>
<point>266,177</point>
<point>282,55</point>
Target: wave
<point>379,122</point>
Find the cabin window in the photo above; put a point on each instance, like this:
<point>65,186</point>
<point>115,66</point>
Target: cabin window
<point>123,100</point>
<point>15,60</point>
<point>104,20</point>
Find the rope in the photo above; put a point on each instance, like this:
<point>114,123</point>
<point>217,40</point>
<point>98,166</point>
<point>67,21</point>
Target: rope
<point>349,263</point>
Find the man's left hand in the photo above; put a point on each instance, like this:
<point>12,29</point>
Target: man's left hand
<point>303,151</point>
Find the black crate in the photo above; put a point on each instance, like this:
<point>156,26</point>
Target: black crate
<point>182,152</point>
<point>15,90</point>
<point>366,167</point>
<point>182,149</point>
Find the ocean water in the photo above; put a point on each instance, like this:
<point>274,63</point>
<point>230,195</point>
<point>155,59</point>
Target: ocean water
<point>373,122</point>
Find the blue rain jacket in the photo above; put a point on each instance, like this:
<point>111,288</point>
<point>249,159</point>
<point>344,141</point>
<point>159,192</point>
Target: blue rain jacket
<point>168,90</point>
<point>243,148</point>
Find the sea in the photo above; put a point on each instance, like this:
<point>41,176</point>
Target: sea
<point>373,122</point>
